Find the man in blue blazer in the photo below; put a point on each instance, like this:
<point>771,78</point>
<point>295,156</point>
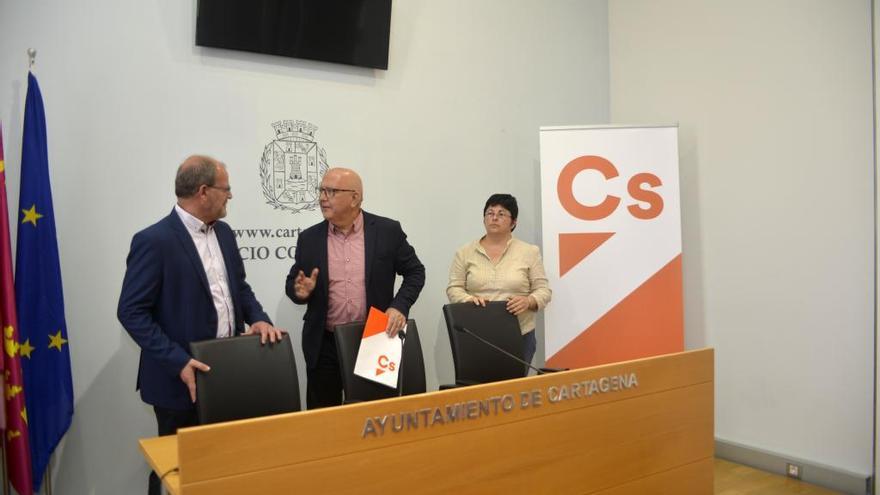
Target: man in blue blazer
<point>185,282</point>
<point>344,265</point>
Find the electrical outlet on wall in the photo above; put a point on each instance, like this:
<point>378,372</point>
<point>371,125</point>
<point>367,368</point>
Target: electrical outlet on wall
<point>793,470</point>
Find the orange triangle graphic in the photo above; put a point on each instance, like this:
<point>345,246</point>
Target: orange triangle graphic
<point>379,371</point>
<point>573,248</point>
<point>647,322</point>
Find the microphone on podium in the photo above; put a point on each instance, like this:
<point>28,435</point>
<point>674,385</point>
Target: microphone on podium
<point>540,371</point>
<point>401,334</point>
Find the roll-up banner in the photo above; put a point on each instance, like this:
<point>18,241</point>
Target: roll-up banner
<point>612,243</point>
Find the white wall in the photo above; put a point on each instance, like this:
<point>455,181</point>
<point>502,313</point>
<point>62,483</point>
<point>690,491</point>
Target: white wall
<point>128,95</point>
<point>774,100</point>
<point>875,18</point>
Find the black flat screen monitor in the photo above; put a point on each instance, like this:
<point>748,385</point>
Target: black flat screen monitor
<point>354,32</point>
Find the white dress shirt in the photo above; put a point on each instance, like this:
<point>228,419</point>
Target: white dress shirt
<point>205,239</point>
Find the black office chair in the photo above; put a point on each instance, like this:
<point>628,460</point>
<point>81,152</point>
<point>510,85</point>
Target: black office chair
<point>475,361</point>
<point>247,379</point>
<point>359,389</point>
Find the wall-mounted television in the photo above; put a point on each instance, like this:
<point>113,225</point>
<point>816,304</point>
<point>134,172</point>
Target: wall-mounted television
<point>354,32</point>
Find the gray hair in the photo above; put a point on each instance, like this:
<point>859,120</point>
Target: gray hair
<point>193,173</point>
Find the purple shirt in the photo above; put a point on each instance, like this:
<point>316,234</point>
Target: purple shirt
<point>346,270</point>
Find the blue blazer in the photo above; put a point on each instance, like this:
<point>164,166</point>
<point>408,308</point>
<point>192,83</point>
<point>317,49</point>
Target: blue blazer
<point>166,303</point>
<point>386,255</point>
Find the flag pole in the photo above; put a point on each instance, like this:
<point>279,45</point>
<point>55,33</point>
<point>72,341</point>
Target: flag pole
<point>32,55</point>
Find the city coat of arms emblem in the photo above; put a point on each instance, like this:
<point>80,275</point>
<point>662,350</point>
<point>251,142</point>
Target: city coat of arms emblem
<point>292,166</point>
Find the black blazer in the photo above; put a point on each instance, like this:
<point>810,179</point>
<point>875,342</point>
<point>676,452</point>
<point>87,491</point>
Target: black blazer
<point>166,303</point>
<point>386,255</point>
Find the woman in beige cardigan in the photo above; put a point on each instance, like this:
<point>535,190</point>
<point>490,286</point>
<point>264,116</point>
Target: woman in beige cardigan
<point>500,267</point>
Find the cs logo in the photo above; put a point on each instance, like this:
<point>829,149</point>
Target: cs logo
<point>384,364</point>
<point>648,204</point>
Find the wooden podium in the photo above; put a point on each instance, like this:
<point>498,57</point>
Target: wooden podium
<point>643,426</point>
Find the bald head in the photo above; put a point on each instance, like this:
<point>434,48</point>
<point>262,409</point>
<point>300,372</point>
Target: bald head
<point>344,205</point>
<point>348,177</point>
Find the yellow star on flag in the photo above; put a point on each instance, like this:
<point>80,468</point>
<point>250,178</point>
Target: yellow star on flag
<point>9,344</point>
<point>13,434</point>
<point>31,215</point>
<point>57,341</point>
<point>2,166</point>
<point>24,414</point>
<point>25,349</point>
<point>12,391</point>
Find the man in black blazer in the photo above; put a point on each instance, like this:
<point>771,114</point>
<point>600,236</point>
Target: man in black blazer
<point>344,265</point>
<point>185,282</point>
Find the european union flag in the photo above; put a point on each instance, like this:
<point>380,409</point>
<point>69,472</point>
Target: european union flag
<point>45,357</point>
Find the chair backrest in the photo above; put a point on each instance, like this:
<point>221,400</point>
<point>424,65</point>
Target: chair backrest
<point>247,379</point>
<point>358,389</point>
<point>474,361</point>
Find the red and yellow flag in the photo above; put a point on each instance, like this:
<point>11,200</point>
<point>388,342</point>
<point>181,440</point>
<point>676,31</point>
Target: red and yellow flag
<point>18,455</point>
